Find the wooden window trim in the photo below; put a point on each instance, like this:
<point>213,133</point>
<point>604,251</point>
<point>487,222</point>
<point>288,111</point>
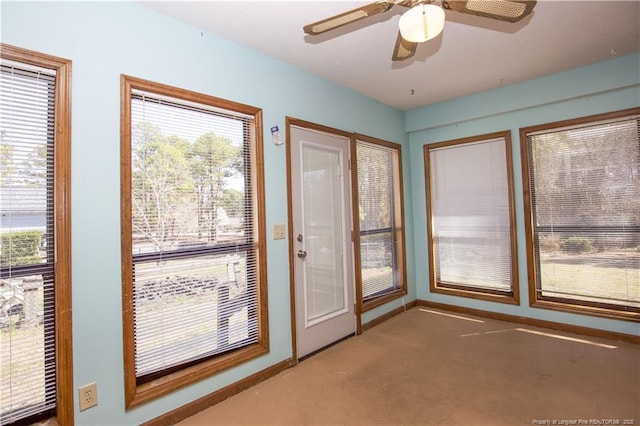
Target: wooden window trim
<point>363,306</point>
<point>62,221</point>
<point>512,297</point>
<point>536,301</point>
<point>136,394</point>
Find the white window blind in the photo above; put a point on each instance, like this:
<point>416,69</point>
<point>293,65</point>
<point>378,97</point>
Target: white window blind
<point>470,220</point>
<point>380,220</point>
<point>585,186</point>
<point>27,333</point>
<point>193,237</point>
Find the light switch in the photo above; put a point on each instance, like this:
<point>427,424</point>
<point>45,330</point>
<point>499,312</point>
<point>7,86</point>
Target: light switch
<point>278,232</point>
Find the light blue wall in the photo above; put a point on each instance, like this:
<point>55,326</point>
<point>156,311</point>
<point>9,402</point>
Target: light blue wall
<point>104,40</point>
<point>603,87</point>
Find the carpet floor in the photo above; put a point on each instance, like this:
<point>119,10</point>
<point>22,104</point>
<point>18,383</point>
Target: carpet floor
<point>430,367</point>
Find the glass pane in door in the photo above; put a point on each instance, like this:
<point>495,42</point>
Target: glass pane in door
<point>323,233</point>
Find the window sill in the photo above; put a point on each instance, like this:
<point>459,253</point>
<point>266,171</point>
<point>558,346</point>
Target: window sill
<point>508,298</point>
<point>147,392</point>
<point>574,308</point>
<point>381,300</point>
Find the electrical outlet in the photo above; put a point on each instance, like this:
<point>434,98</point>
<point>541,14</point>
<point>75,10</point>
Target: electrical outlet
<point>88,396</point>
<point>278,232</point>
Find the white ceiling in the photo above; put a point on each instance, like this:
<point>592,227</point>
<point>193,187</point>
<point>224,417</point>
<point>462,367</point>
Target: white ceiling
<point>473,54</point>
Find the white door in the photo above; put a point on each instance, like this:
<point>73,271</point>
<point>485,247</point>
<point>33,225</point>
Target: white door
<point>323,265</point>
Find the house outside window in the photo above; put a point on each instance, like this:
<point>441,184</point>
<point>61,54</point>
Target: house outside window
<point>35,265</point>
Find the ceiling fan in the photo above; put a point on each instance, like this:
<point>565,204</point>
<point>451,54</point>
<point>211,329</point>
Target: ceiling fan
<point>424,20</point>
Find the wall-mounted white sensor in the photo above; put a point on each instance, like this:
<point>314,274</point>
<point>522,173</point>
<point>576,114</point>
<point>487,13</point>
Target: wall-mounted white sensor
<point>275,136</point>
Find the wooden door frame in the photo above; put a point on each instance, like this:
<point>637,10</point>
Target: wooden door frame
<point>289,122</point>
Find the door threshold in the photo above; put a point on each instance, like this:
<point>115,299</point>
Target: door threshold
<point>317,351</point>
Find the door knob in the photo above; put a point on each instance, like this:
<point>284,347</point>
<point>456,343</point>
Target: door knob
<point>302,254</point>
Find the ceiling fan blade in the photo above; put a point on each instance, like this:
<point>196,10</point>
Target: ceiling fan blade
<point>404,49</point>
<point>503,10</point>
<point>348,17</point>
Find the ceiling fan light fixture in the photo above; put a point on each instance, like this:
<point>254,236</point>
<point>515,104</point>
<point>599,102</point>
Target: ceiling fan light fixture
<point>421,23</point>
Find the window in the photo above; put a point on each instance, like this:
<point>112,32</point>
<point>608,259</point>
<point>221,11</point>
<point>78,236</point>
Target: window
<point>35,286</point>
<point>379,224</point>
<point>470,218</point>
<point>194,281</point>
<point>582,199</point>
